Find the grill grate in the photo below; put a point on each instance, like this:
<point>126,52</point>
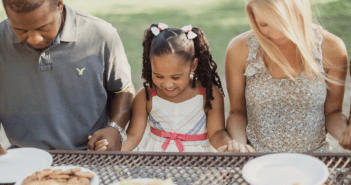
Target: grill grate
<point>184,168</point>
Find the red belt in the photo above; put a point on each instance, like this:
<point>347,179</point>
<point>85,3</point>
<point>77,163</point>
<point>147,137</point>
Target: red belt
<point>178,138</point>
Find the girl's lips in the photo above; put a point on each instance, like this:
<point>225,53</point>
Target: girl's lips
<point>169,90</point>
<point>279,39</point>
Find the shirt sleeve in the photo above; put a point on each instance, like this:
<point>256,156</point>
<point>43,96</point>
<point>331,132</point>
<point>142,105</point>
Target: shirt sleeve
<point>117,68</point>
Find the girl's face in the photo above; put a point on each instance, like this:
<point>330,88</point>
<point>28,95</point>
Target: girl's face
<point>274,35</point>
<point>171,74</point>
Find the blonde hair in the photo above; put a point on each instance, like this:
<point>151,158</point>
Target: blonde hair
<point>293,18</point>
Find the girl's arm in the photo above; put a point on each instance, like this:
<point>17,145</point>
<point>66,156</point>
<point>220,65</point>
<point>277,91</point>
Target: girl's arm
<point>217,134</point>
<point>235,66</point>
<point>138,121</point>
<point>335,52</point>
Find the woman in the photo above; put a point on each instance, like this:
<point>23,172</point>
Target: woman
<point>285,80</point>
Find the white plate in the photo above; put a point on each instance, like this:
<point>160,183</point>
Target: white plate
<point>20,162</point>
<point>94,181</point>
<point>142,180</point>
<point>285,169</point>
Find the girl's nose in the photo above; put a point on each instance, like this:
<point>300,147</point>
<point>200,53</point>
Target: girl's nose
<point>168,84</point>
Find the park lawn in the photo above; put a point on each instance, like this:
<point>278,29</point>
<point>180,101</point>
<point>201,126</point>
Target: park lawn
<point>221,20</point>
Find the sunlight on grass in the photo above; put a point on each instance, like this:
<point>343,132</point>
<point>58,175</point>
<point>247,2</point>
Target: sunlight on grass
<point>141,6</point>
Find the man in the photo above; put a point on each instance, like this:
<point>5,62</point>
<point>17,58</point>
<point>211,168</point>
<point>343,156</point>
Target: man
<point>57,68</point>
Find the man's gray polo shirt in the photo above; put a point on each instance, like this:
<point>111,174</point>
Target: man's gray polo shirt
<point>55,99</point>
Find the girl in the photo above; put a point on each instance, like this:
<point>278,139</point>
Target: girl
<point>185,112</point>
<point>285,80</point>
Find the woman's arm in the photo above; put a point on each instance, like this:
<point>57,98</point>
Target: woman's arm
<point>235,66</point>
<point>217,134</point>
<point>138,121</point>
<point>335,52</point>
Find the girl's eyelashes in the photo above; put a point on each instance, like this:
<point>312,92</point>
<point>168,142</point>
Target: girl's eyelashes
<point>174,78</point>
<point>263,24</point>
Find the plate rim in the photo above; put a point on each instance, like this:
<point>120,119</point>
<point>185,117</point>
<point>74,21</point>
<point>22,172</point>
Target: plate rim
<point>117,182</point>
<point>325,169</point>
<point>19,182</point>
<point>43,153</point>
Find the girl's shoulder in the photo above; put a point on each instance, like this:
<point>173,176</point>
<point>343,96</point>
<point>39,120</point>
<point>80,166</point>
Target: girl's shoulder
<point>140,97</point>
<point>216,92</point>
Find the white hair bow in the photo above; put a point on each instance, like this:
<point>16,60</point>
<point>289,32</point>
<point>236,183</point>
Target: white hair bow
<point>190,34</point>
<point>157,30</point>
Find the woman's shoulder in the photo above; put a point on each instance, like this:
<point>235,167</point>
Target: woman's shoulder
<point>238,50</point>
<point>239,42</point>
<point>333,47</point>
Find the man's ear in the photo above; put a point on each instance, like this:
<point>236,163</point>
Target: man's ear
<point>60,6</point>
<point>194,65</point>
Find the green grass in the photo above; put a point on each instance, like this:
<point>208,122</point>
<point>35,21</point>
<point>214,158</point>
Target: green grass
<point>221,20</point>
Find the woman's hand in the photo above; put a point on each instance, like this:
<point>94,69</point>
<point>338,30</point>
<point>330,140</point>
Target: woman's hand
<point>236,147</point>
<point>2,151</point>
<point>345,139</point>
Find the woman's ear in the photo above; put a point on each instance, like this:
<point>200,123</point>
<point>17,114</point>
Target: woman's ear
<point>194,65</point>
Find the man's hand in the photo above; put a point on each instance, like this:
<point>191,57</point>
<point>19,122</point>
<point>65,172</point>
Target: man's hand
<point>110,134</point>
<point>236,147</point>
<point>345,139</point>
<point>2,151</point>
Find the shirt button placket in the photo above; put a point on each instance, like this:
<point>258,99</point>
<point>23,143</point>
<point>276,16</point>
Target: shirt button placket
<point>44,61</point>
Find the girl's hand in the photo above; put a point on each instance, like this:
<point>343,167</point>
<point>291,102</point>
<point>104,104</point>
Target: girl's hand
<point>345,139</point>
<point>236,147</point>
<point>100,145</point>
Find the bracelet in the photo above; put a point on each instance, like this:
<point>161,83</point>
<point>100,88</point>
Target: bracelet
<point>120,130</point>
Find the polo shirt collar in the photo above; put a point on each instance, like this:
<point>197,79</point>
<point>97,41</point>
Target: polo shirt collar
<point>14,38</point>
<point>69,31</point>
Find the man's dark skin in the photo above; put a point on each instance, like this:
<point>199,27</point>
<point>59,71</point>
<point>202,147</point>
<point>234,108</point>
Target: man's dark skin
<point>38,29</point>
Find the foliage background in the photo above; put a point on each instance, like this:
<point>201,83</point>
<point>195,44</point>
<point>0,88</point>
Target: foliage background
<point>221,20</point>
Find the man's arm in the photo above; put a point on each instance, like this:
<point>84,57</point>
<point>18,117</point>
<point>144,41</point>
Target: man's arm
<point>119,106</point>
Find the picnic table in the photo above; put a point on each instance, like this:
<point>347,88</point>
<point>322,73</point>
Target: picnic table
<point>184,168</point>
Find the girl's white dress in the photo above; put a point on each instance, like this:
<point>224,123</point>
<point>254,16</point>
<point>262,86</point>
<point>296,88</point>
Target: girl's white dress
<point>172,119</point>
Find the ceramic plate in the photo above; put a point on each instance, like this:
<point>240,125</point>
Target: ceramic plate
<point>93,181</point>
<point>142,180</point>
<point>285,169</point>
<point>20,162</point>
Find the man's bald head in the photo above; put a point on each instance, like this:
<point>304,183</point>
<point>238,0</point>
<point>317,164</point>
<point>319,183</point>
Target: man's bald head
<point>25,6</point>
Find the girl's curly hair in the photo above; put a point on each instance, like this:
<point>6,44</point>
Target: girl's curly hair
<point>175,41</point>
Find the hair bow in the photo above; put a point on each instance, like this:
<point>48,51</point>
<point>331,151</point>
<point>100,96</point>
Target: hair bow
<point>190,34</point>
<point>157,30</point>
